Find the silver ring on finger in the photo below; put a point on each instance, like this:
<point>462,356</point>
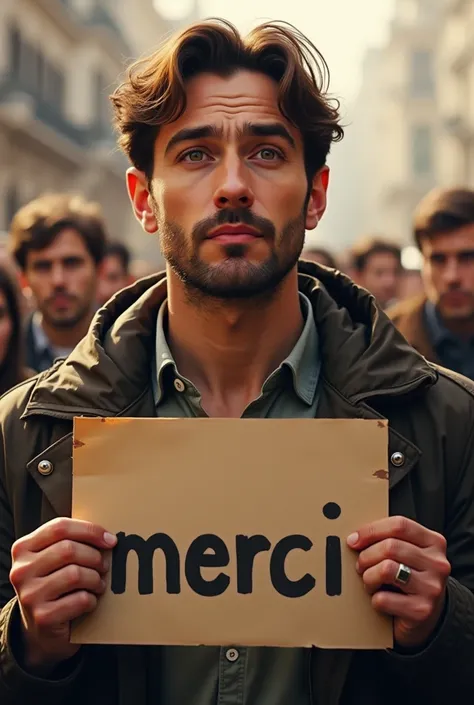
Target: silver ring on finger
<point>403,575</point>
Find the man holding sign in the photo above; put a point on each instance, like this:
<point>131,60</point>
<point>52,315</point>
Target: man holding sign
<point>228,138</point>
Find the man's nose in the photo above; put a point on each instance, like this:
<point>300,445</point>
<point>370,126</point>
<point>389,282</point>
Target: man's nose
<point>58,275</point>
<point>451,271</point>
<point>233,190</point>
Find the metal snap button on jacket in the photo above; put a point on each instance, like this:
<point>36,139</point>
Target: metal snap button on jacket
<point>45,467</point>
<point>397,459</point>
<point>179,385</point>
<point>232,655</point>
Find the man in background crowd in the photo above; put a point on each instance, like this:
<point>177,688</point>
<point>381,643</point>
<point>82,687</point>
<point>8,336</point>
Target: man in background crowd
<point>320,255</point>
<point>58,242</point>
<point>376,265</point>
<point>114,272</point>
<point>440,323</point>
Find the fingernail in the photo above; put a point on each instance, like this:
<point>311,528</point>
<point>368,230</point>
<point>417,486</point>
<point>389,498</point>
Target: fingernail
<point>110,539</point>
<point>106,564</point>
<point>353,539</point>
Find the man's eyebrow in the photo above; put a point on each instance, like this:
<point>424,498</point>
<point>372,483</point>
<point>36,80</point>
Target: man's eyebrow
<point>249,129</point>
<point>267,129</point>
<point>193,133</point>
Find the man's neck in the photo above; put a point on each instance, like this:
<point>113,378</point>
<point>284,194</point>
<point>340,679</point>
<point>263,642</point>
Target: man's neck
<point>66,338</point>
<point>228,349</point>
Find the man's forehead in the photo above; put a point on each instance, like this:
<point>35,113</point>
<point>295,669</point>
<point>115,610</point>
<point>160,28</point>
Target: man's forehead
<point>229,102</point>
<point>67,241</point>
<point>239,88</point>
<point>457,240</point>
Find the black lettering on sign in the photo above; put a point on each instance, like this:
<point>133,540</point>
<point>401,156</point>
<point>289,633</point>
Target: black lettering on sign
<point>145,551</point>
<point>198,557</point>
<point>247,548</point>
<point>210,551</point>
<point>279,578</point>
<point>331,510</point>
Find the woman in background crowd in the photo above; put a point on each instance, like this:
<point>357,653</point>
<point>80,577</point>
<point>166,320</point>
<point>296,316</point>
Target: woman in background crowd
<point>12,370</point>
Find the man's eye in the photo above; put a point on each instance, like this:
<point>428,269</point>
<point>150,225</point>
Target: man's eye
<point>268,154</point>
<point>194,155</point>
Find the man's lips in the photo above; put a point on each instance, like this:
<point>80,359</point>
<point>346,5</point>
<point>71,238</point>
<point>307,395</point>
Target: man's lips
<point>233,234</point>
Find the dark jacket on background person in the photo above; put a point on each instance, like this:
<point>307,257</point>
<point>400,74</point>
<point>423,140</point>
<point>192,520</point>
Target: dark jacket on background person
<point>368,371</point>
<point>419,322</point>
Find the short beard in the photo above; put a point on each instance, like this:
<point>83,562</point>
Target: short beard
<point>234,278</point>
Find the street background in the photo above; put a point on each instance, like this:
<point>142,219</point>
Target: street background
<point>403,70</point>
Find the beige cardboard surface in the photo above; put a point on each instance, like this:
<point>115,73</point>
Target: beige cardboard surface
<point>230,477</point>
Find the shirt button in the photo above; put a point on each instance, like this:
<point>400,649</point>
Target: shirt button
<point>179,385</point>
<point>232,655</point>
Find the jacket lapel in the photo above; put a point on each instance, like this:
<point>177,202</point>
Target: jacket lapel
<point>52,468</point>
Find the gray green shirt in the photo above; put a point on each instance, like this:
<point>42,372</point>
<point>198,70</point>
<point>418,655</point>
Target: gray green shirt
<point>237,675</point>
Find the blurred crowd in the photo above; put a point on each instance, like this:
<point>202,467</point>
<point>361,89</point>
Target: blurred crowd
<point>58,266</point>
<point>434,307</point>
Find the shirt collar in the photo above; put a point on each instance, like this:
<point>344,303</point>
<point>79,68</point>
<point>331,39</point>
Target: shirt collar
<point>41,341</point>
<point>303,362</point>
<point>438,332</point>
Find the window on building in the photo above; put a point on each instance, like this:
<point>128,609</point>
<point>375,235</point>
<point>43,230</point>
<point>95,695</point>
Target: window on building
<point>422,150</point>
<point>14,41</point>
<point>101,101</point>
<point>39,73</point>
<point>54,87</point>
<point>422,74</point>
<point>12,204</point>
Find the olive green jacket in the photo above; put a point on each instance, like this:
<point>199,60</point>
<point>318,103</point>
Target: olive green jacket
<point>368,371</point>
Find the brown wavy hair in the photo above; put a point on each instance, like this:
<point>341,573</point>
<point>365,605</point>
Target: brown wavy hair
<point>37,224</point>
<point>154,90</point>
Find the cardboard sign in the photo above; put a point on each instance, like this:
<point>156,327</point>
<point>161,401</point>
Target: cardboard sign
<point>232,531</point>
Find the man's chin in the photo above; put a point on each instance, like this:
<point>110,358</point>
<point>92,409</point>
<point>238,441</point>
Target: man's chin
<point>62,321</point>
<point>237,279</point>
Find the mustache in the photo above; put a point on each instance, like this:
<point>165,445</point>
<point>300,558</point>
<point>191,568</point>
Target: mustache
<point>457,289</point>
<point>233,216</point>
<point>60,292</point>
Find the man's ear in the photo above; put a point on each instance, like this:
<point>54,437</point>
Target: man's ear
<point>138,190</point>
<point>317,198</point>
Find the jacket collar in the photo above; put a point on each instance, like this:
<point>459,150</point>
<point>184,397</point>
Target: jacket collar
<point>362,353</point>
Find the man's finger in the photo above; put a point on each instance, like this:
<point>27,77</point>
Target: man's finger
<point>51,614</point>
<point>395,550</point>
<point>413,608</point>
<point>384,573</point>
<point>394,527</point>
<point>65,528</point>
<point>66,552</point>
<point>70,579</point>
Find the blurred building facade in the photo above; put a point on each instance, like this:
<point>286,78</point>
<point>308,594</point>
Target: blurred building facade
<point>455,93</point>
<point>59,62</point>
<point>398,121</point>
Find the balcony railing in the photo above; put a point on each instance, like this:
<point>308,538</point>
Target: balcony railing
<point>12,90</point>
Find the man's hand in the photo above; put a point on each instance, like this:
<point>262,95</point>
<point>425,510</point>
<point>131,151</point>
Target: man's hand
<point>417,608</point>
<point>57,572</point>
